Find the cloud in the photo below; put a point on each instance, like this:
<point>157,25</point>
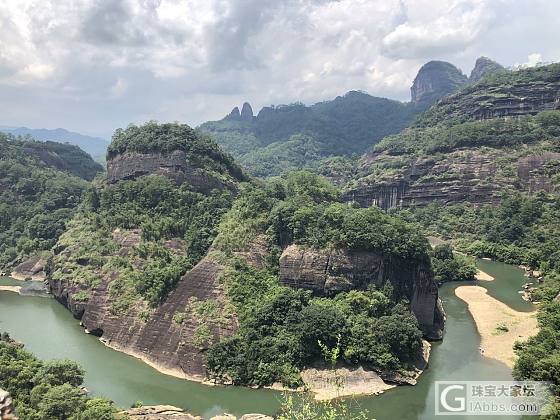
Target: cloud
<point>446,28</point>
<point>94,65</point>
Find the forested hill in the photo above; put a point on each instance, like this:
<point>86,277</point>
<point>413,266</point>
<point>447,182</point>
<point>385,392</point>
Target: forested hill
<point>287,137</point>
<point>94,146</point>
<point>499,135</point>
<point>41,184</point>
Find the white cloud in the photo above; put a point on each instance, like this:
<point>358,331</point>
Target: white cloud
<point>105,63</point>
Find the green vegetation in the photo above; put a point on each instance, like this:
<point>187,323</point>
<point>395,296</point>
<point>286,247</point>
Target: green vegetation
<point>451,267</point>
<point>280,328</point>
<point>169,228</point>
<point>166,138</point>
<point>496,133</point>
<point>36,196</point>
<point>518,230</point>
<point>47,390</point>
<point>144,234</point>
<point>288,137</point>
<point>483,96</point>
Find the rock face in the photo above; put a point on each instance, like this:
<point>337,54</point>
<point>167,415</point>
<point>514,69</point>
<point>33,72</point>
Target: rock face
<point>31,269</point>
<point>435,79</point>
<point>526,92</point>
<point>459,176</point>
<point>247,112</point>
<point>483,67</point>
<point>6,406</point>
<point>234,114</point>
<point>171,345</point>
<point>328,271</point>
<point>174,165</point>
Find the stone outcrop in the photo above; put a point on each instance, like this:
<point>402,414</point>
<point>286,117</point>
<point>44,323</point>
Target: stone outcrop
<point>31,269</point>
<point>7,411</point>
<point>174,165</point>
<point>344,381</point>
<point>246,112</point>
<point>459,176</point>
<point>434,80</point>
<point>483,67</point>
<point>329,271</point>
<point>159,412</point>
<point>525,92</point>
<point>234,114</point>
<point>162,341</point>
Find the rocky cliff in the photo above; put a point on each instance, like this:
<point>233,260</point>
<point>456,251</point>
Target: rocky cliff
<point>174,165</point>
<point>475,176</point>
<point>471,146</point>
<point>483,67</point>
<point>174,336</point>
<point>434,80</point>
<point>328,271</point>
<point>506,94</point>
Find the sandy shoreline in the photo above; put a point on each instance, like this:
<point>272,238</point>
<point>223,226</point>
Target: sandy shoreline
<point>488,314</point>
<point>15,289</point>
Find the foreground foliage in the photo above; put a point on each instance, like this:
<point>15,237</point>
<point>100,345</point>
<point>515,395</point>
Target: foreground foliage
<point>47,390</point>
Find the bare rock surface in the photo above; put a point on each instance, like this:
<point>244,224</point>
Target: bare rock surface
<point>31,269</point>
<point>329,271</point>
<point>7,411</point>
<point>174,165</point>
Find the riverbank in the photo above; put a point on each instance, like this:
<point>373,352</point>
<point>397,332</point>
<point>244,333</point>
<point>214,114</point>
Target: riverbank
<point>15,289</point>
<point>499,326</point>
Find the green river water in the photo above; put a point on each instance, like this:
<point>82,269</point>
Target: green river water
<point>49,331</point>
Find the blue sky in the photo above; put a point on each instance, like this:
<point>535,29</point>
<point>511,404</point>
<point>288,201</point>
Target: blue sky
<point>95,65</point>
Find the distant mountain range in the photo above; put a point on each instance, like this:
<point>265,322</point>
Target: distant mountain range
<point>286,137</point>
<point>95,146</point>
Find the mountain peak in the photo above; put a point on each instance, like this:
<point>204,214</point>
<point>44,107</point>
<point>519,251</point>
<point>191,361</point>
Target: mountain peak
<point>482,67</point>
<point>434,80</point>
<point>246,112</point>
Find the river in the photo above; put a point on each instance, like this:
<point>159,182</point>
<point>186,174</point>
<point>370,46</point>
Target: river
<point>50,332</point>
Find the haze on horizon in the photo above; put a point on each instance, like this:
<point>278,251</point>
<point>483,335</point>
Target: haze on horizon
<point>94,65</point>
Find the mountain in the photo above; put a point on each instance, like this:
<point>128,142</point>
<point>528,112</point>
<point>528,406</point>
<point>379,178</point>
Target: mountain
<point>434,80</point>
<point>287,137</point>
<point>181,259</point>
<point>483,67</point>
<point>95,146</point>
<point>41,185</point>
<point>497,135</point>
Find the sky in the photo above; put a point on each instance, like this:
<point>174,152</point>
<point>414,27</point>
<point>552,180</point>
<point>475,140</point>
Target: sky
<point>95,65</point>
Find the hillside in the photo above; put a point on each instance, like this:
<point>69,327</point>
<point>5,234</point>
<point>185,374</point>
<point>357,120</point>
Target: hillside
<point>94,146</point>
<point>200,276</point>
<point>481,169</point>
<point>41,184</point>
<point>498,135</point>
<point>288,137</point>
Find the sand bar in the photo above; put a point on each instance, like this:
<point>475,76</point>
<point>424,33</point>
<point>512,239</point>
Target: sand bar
<point>489,314</point>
